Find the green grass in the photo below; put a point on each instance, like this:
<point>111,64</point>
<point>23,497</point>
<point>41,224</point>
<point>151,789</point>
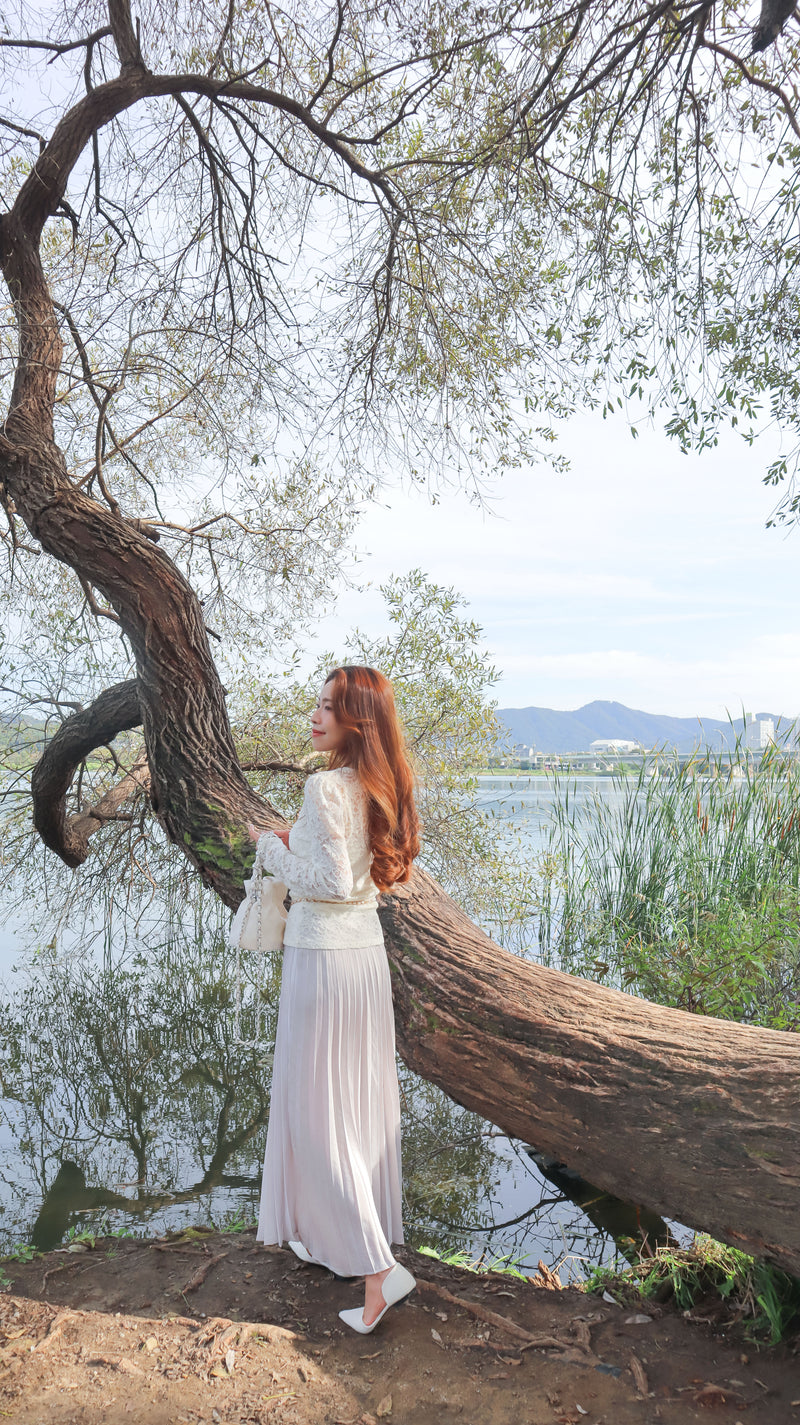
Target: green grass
<point>238,1221</point>
<point>765,1298</point>
<point>507,1265</point>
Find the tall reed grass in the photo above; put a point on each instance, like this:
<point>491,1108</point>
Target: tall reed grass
<point>683,887</point>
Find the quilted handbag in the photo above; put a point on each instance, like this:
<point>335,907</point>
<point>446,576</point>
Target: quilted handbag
<point>260,921</point>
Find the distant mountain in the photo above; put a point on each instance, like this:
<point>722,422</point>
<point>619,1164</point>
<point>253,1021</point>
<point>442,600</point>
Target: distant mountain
<point>552,731</point>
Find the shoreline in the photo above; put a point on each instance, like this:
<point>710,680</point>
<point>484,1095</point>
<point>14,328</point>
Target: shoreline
<point>221,1330</point>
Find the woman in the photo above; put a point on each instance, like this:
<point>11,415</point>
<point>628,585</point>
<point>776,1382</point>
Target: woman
<point>331,1184</point>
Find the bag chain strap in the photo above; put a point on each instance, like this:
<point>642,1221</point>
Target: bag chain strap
<point>257,877</point>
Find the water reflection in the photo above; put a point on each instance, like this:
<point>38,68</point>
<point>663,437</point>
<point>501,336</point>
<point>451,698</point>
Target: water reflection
<point>130,1102</point>
<point>131,1075</point>
<point>634,1229</point>
<point>68,1196</point>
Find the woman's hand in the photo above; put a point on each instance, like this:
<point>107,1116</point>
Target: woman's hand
<point>255,832</point>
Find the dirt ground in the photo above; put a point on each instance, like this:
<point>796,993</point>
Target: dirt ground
<point>213,1328</point>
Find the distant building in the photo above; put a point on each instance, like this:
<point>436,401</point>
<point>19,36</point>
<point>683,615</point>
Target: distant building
<point>614,744</point>
<point>759,733</point>
<point>524,751</point>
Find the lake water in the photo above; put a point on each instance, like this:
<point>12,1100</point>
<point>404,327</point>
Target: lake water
<point>129,1104</point>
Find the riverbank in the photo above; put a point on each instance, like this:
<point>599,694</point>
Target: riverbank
<point>562,770</point>
<point>213,1328</point>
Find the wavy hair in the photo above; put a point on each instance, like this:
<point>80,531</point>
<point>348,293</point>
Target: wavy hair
<point>374,746</point>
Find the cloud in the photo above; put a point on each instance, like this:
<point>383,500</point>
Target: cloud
<point>640,575</point>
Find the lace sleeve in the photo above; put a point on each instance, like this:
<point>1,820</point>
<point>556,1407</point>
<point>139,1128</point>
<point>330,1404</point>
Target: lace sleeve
<point>326,873</point>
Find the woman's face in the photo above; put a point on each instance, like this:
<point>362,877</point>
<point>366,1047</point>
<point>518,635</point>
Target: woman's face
<point>327,735</point>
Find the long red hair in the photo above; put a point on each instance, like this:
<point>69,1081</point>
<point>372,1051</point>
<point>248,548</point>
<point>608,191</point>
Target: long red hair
<point>363,704</point>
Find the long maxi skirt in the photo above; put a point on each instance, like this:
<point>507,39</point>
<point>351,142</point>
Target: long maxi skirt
<point>332,1175</point>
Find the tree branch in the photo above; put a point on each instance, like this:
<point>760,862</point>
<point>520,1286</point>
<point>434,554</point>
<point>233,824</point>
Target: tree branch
<point>226,29</point>
<point>43,190</point>
<point>26,133</point>
<point>114,711</point>
<point>107,809</point>
<point>55,48</point>
<point>125,37</point>
<point>753,79</point>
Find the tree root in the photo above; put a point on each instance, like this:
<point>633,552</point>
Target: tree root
<point>118,1363</point>
<point>238,1332</point>
<point>65,1266</point>
<point>503,1323</point>
<point>176,1249</point>
<point>198,1277</point>
<point>56,1327</point>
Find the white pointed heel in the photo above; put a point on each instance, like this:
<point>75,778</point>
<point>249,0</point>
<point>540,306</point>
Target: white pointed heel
<point>394,1288</point>
<point>300,1251</point>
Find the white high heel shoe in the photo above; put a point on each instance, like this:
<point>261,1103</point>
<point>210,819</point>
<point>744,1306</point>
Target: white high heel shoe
<point>394,1287</point>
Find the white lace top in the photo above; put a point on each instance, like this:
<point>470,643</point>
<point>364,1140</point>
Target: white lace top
<point>326,866</point>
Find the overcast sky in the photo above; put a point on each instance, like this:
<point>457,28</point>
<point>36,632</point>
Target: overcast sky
<point>641,576</point>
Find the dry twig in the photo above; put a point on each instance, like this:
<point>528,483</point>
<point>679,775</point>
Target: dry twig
<point>639,1375</point>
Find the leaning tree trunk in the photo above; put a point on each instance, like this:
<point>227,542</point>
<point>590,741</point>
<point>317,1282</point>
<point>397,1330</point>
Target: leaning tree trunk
<point>693,1118</point>
<point>696,1118</point>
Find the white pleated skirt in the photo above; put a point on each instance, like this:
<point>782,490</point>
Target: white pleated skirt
<point>332,1172</point>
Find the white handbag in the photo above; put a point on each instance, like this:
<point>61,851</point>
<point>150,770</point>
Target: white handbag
<point>260,921</point>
